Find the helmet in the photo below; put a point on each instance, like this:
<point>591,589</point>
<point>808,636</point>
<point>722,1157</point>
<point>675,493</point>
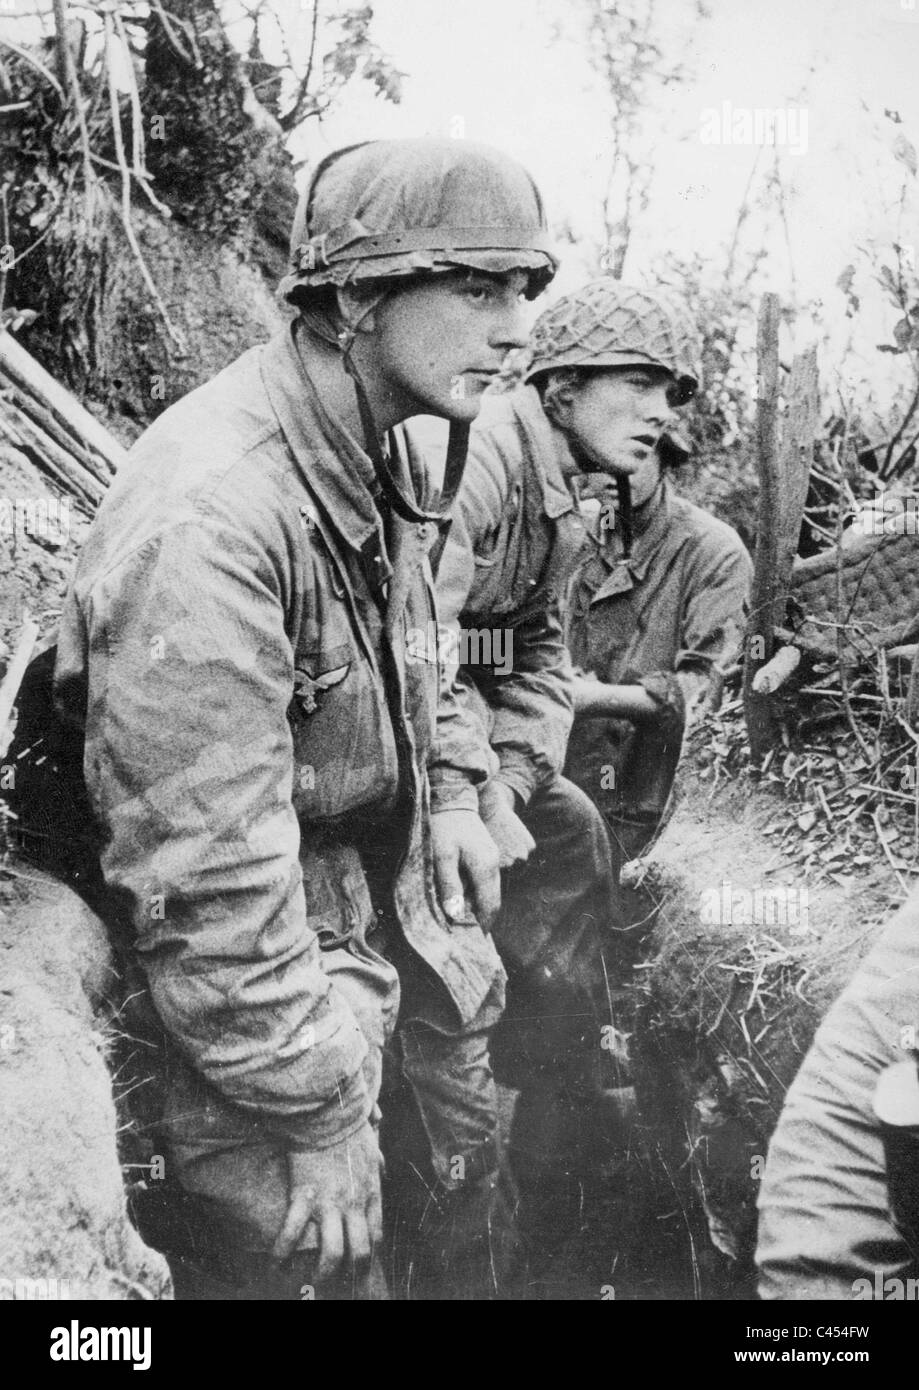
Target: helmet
<point>392,208</point>
<point>608,324</point>
<point>389,209</point>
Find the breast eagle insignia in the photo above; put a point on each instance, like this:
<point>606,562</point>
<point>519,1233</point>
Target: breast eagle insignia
<point>307,688</point>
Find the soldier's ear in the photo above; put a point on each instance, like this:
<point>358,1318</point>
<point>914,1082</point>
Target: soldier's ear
<point>557,391</point>
<point>357,306</point>
<point>562,406</point>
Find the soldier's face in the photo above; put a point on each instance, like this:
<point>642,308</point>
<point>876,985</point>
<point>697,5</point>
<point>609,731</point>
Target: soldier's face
<point>439,344</point>
<point>617,416</point>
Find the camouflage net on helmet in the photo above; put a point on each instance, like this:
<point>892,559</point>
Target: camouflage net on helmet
<point>606,322</point>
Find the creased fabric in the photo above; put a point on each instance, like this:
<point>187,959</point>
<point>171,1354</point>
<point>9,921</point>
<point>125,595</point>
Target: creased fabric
<point>255,741</point>
<point>512,542</point>
<point>663,619</point>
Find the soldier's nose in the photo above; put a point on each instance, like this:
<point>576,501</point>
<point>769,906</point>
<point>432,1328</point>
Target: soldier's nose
<point>511,330</point>
<point>659,410</point>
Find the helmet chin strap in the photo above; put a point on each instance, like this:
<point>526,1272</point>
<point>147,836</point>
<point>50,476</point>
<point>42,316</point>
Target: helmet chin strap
<point>404,506</point>
<point>385,468</point>
<point>624,490</point>
<point>623,493</point>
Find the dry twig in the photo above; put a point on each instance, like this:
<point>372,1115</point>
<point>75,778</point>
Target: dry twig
<point>174,333</point>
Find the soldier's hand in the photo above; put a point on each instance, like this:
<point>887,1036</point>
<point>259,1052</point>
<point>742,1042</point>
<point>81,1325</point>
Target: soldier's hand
<point>466,864</point>
<point>334,1203</point>
<point>498,809</point>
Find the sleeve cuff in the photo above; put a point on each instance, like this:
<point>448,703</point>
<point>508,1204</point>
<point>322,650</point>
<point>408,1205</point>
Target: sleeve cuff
<point>519,777</point>
<point>332,1123</point>
<point>454,796</point>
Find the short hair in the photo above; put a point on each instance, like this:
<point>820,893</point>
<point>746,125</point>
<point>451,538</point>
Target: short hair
<point>552,384</point>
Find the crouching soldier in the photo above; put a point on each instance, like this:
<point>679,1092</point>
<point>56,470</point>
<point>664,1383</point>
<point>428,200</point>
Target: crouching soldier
<point>656,606</point>
<point>605,363</point>
<point>233,651</point>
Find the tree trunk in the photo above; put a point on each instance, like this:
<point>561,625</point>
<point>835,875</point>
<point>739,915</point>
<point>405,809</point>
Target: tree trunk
<point>211,148</point>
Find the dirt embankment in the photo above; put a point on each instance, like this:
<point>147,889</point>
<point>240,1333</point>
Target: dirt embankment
<point>755,931</point>
<point>64,1230</point>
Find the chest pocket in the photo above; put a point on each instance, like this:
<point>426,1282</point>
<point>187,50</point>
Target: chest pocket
<point>344,749</point>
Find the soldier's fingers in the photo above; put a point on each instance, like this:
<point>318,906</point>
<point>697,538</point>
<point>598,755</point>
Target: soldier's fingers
<point>529,844</point>
<point>358,1234</point>
<point>331,1242</point>
<point>520,846</point>
<point>375,1216</point>
<point>449,884</point>
<point>298,1213</point>
<point>485,888</point>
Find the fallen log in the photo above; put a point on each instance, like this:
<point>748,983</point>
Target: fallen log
<point>880,595</point>
<point>45,421</point>
<point>31,377</point>
<point>51,458</point>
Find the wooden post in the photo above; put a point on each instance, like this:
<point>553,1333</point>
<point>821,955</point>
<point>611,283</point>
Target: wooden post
<point>799,429</point>
<point>784,456</point>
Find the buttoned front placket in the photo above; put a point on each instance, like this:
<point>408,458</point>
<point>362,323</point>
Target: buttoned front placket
<point>407,547</point>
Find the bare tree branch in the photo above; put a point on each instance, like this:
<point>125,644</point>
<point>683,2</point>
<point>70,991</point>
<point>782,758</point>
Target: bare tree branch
<point>129,232</point>
<point>70,80</point>
<point>33,62</point>
<point>295,112</point>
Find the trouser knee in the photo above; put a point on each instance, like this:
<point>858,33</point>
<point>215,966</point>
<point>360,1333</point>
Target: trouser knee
<point>568,829</point>
<point>439,1102</point>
